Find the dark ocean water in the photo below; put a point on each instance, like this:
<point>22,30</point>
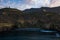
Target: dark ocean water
<point>28,35</point>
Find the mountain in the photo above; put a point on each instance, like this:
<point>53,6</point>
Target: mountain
<point>47,18</point>
<point>44,17</point>
<point>9,17</point>
<point>47,9</point>
<point>54,9</point>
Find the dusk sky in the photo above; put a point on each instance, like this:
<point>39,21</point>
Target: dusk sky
<point>27,4</point>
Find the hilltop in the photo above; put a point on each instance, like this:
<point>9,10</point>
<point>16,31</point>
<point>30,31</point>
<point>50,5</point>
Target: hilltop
<point>9,17</point>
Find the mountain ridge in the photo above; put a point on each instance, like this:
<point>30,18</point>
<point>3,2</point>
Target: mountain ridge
<point>45,17</point>
<point>48,9</point>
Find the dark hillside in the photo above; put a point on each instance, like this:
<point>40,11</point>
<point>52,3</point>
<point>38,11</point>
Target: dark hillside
<point>46,18</point>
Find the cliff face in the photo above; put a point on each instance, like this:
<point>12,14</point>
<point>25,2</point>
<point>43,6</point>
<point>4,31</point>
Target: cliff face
<point>43,17</point>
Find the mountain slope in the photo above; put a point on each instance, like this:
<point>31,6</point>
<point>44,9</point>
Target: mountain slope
<point>9,17</point>
<point>46,18</point>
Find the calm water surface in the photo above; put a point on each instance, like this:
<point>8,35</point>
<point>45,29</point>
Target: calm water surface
<point>31,34</point>
<point>27,35</point>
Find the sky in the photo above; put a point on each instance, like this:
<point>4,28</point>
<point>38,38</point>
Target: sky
<point>27,4</point>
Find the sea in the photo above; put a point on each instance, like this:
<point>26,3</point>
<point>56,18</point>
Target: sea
<point>28,34</point>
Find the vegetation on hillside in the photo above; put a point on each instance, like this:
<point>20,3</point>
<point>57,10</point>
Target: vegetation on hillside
<point>13,18</point>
